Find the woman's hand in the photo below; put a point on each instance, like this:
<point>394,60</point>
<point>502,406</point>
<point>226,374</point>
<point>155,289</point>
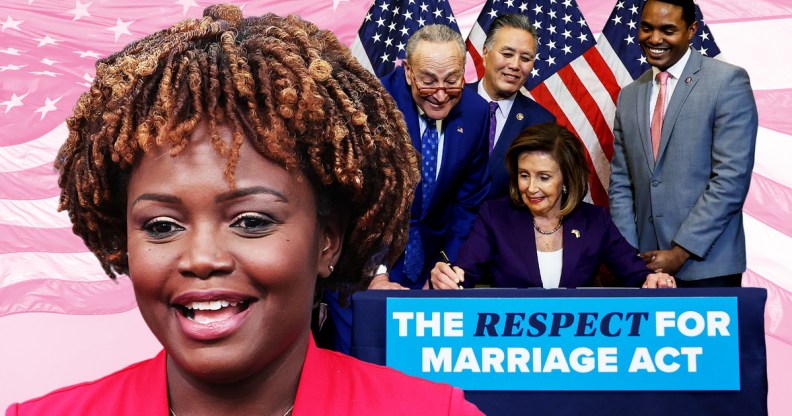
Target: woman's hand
<point>659,280</point>
<point>381,282</point>
<point>446,277</point>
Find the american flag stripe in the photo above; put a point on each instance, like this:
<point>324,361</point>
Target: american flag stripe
<point>43,265</point>
<point>580,73</point>
<point>604,77</point>
<point>774,105</point>
<point>613,63</point>
<point>16,239</point>
<point>572,96</point>
<point>542,95</point>
<point>765,198</point>
<point>69,296</point>
<point>34,152</point>
<point>770,258</point>
<point>33,183</point>
<point>33,211</point>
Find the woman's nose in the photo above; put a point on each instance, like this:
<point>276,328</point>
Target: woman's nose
<point>532,188</point>
<point>205,254</point>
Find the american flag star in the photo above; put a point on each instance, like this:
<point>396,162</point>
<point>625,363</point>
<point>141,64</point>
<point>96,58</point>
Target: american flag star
<point>10,23</point>
<point>386,27</point>
<point>121,28</point>
<point>186,4</point>
<point>80,10</point>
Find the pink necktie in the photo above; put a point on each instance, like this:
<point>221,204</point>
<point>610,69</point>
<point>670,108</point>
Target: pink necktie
<point>659,113</point>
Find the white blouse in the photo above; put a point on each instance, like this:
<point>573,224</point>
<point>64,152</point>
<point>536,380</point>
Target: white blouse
<point>550,263</point>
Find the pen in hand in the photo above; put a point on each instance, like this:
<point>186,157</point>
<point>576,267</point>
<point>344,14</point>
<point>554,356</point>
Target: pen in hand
<point>445,260</point>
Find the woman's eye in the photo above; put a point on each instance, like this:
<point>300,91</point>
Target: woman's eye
<point>161,228</point>
<point>253,223</point>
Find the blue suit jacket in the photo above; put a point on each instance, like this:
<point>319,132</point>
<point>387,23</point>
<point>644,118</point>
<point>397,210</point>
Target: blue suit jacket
<point>463,180</point>
<point>524,113</point>
<point>502,244</point>
<point>693,195</point>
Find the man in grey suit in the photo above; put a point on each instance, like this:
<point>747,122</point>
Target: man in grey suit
<point>683,154</point>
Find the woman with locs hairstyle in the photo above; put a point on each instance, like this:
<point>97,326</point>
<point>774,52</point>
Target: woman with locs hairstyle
<point>234,168</point>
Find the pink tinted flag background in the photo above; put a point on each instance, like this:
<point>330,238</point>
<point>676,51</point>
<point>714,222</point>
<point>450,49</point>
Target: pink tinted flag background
<point>80,325</point>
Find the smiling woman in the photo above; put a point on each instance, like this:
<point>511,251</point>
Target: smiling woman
<point>234,168</point>
<point>544,234</point>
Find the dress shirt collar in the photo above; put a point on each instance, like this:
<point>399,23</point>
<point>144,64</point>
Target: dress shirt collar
<point>676,69</point>
<point>504,106</point>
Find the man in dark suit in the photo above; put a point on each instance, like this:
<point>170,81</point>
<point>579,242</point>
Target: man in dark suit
<point>683,154</point>
<point>449,129</point>
<point>509,53</point>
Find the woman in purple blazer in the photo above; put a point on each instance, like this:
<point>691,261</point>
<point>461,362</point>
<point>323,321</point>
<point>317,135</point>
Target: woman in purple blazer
<point>543,234</point>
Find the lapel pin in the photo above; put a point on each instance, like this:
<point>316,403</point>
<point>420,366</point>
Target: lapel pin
<point>576,233</point>
<point>688,80</point>
<point>520,116</point>
<point>460,130</point>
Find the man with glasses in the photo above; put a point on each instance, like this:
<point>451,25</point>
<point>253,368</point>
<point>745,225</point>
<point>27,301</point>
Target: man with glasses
<point>509,53</point>
<point>449,131</point>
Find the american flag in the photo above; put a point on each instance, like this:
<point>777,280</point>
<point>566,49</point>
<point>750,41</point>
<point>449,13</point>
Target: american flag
<point>569,78</point>
<point>48,49</point>
<point>618,42</point>
<point>381,40</point>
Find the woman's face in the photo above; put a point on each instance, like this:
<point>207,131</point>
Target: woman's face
<point>225,278</point>
<point>539,180</point>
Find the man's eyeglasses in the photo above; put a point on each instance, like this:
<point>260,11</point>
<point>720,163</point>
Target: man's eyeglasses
<point>425,91</point>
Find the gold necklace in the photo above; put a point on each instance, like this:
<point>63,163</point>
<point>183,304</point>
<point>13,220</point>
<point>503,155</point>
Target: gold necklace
<point>558,227</point>
<point>288,411</point>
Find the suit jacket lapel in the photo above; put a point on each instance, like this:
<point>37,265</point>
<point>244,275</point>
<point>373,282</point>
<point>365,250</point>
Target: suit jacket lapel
<point>681,92</point>
<point>573,247</point>
<point>403,96</point>
<point>644,118</point>
<point>525,234</point>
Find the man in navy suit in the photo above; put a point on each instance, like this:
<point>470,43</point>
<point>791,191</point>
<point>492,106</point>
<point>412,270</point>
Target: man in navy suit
<point>509,53</point>
<point>683,154</point>
<point>449,130</point>
<point>428,89</point>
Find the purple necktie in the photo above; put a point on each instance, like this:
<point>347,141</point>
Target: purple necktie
<point>493,107</point>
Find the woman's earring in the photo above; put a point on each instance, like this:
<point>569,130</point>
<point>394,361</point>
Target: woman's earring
<point>563,189</point>
<point>331,269</point>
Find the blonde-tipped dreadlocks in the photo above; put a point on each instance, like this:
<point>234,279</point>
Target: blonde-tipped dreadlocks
<point>290,89</point>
